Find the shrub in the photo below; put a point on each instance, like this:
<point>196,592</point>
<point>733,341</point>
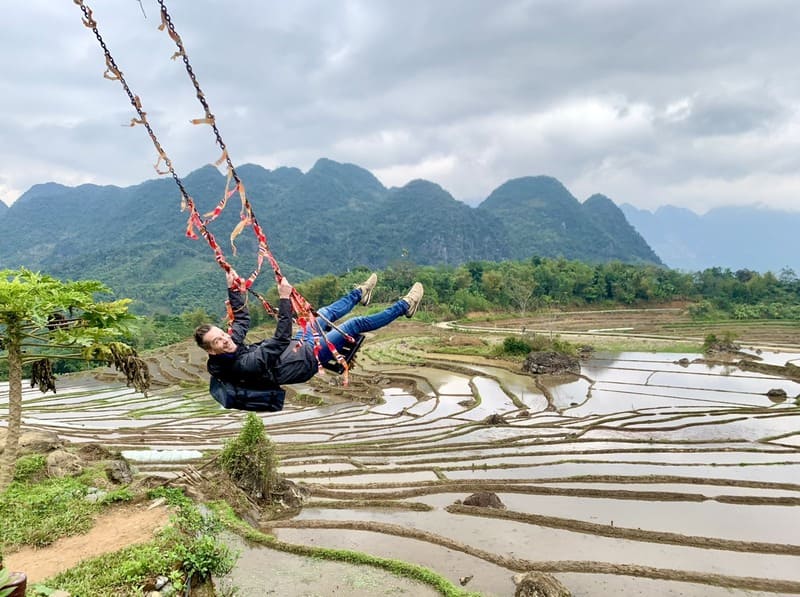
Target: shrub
<point>29,467</point>
<point>250,459</point>
<point>513,345</point>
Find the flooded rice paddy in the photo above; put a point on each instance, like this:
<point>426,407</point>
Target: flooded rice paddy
<point>647,474</point>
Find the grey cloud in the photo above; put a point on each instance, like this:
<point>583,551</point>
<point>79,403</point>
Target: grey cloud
<point>390,85</point>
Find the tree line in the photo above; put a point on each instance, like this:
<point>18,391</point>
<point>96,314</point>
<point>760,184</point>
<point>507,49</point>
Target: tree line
<point>517,288</point>
<point>522,287</point>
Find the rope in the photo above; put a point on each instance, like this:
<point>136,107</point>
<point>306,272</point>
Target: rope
<point>305,315</point>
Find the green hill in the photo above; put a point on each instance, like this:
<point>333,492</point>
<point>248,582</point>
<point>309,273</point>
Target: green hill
<point>331,219</point>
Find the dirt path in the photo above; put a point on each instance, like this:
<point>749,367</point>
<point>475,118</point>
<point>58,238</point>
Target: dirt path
<point>118,528</point>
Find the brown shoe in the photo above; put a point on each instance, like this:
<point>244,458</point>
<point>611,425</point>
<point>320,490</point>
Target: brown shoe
<point>413,298</point>
<point>366,289</point>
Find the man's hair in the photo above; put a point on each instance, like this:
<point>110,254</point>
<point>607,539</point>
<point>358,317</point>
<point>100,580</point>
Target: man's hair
<point>200,332</point>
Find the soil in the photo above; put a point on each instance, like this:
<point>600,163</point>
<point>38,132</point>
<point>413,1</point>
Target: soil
<point>120,527</point>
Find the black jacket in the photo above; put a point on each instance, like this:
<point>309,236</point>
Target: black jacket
<point>266,364</point>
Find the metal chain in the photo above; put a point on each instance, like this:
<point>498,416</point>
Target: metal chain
<point>116,73</point>
<point>166,19</point>
<point>299,303</point>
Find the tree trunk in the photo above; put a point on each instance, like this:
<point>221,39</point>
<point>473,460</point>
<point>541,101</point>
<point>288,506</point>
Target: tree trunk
<point>14,347</point>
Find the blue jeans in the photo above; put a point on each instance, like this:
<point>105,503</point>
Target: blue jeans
<point>354,325</point>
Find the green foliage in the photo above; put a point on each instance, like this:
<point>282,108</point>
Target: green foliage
<point>55,319</point>
<point>250,459</point>
<point>5,578</point>
<point>714,342</point>
<point>120,573</point>
<point>204,556</point>
<point>514,345</point>
<point>38,514</point>
<point>118,495</point>
<point>30,466</point>
<point>187,548</point>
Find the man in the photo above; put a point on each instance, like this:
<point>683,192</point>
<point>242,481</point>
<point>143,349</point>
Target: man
<point>268,364</point>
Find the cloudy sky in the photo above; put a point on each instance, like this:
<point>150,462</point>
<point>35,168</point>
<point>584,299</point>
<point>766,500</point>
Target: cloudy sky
<point>693,103</point>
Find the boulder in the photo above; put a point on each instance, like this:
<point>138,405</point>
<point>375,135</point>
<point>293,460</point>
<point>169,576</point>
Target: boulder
<point>61,463</point>
<point>539,584</point>
<point>485,499</point>
<point>495,419</point>
<point>290,494</point>
<point>94,452</point>
<point>33,441</point>
<point>552,362</point>
<point>119,472</point>
<point>777,395</point>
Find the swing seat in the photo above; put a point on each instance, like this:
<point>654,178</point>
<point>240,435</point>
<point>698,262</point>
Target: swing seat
<point>348,351</point>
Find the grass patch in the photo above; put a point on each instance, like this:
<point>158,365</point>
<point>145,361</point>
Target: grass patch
<point>645,345</point>
<point>187,549</point>
<point>39,513</point>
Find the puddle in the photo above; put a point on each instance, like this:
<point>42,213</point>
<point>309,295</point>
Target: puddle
<point>774,524</point>
<point>533,542</point>
<point>489,580</point>
<point>790,472</point>
<point>152,456</point>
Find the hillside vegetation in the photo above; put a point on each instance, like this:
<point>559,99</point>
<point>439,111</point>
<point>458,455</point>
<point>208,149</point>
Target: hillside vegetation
<point>332,219</point>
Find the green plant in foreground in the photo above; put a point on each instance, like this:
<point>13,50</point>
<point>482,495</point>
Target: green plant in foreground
<point>250,459</point>
<point>38,514</point>
<point>188,548</point>
<point>29,466</point>
<point>5,578</point>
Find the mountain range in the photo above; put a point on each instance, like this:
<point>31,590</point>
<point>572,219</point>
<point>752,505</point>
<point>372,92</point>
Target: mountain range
<point>734,237</point>
<point>331,219</point>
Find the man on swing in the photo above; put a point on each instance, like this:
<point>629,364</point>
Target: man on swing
<point>266,365</point>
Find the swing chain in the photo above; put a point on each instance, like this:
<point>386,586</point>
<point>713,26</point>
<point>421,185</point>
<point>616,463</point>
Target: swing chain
<point>167,20</point>
<point>135,102</point>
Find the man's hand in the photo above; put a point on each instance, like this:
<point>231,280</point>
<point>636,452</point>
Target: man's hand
<point>284,288</point>
<point>234,281</point>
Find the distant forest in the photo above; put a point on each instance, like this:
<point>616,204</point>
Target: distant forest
<point>518,287</point>
<point>490,289</point>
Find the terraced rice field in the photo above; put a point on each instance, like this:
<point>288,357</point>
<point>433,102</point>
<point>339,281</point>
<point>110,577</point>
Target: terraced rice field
<point>641,476</point>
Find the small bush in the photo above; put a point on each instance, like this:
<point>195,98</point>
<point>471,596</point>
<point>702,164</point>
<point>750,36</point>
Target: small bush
<point>516,346</point>
<point>250,459</point>
<point>29,467</point>
<point>513,345</point>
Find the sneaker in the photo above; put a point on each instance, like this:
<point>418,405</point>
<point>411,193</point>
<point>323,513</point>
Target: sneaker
<point>413,298</point>
<point>366,289</point>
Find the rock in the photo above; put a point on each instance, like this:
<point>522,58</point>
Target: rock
<point>495,419</point>
<point>465,579</point>
<point>157,502</point>
<point>94,452</point>
<point>161,582</point>
<point>95,495</point>
<point>119,472</point>
<point>538,363</point>
<point>33,441</point>
<point>290,494</point>
<point>63,464</point>
<point>777,395</point>
<point>485,499</point>
<point>539,584</point>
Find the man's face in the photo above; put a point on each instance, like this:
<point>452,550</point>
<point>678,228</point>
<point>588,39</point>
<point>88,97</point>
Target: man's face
<point>218,342</point>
